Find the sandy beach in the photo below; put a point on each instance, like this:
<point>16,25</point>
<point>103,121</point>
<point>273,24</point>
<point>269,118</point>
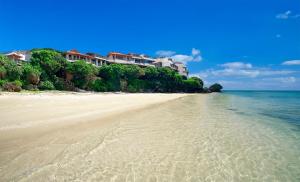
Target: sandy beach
<point>142,137</point>
<point>28,110</point>
<point>53,120</point>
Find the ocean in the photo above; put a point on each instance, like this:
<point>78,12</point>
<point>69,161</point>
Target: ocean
<point>283,106</point>
<point>272,121</point>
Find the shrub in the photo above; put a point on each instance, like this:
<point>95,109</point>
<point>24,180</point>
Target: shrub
<point>68,85</point>
<point>31,74</point>
<point>58,83</point>
<point>98,85</point>
<point>10,69</point>
<point>46,85</point>
<point>112,75</point>
<point>192,85</point>
<point>135,86</point>
<point>216,87</point>
<point>82,73</point>
<point>61,84</point>
<point>206,90</point>
<point>132,72</point>
<point>18,83</point>
<point>31,87</point>
<point>2,72</point>
<point>2,82</point>
<point>49,60</point>
<point>13,86</point>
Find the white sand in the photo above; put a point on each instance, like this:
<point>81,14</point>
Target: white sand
<point>28,110</point>
<point>37,129</point>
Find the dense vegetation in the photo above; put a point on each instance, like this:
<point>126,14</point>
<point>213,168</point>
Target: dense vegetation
<point>215,87</point>
<point>49,70</point>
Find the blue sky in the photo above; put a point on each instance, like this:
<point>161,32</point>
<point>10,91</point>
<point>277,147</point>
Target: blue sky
<point>243,44</point>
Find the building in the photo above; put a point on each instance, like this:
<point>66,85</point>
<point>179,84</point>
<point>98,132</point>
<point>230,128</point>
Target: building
<point>142,60</point>
<point>115,57</point>
<point>182,69</point>
<point>97,59</point>
<point>170,63</point>
<point>74,55</point>
<point>165,62</point>
<point>19,56</point>
<point>133,59</point>
<point>112,58</point>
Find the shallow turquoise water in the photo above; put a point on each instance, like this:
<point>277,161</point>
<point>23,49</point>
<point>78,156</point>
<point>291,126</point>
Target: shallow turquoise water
<point>269,122</point>
<point>283,106</point>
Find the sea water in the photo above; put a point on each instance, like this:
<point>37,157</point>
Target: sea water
<point>272,121</point>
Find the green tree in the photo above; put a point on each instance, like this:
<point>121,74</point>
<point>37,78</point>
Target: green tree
<point>216,87</point>
<point>2,72</point>
<point>112,75</point>
<point>15,86</point>
<point>193,85</point>
<point>130,78</point>
<point>31,75</point>
<point>131,72</point>
<point>98,85</point>
<point>151,80</point>
<point>51,63</point>
<point>12,70</point>
<point>82,73</point>
<point>46,85</point>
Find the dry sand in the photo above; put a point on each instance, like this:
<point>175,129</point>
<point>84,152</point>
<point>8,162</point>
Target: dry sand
<point>36,128</point>
<point>28,110</point>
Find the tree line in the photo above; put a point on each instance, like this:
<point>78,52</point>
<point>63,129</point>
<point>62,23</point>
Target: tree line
<point>49,70</point>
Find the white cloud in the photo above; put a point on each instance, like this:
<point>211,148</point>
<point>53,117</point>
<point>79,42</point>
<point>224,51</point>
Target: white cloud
<point>182,58</point>
<point>291,62</point>
<point>275,72</point>
<point>235,72</point>
<point>236,65</point>
<point>287,15</point>
<point>287,80</point>
<point>164,53</point>
<point>195,55</point>
<point>242,70</point>
<point>250,72</point>
<point>284,15</point>
<point>195,52</point>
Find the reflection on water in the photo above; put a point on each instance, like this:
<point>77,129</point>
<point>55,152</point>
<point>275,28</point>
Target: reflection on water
<point>182,140</point>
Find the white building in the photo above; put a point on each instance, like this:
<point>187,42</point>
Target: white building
<point>165,62</point>
<point>133,59</point>
<point>181,68</point>
<point>74,55</point>
<point>19,56</point>
<point>170,63</point>
<point>142,60</point>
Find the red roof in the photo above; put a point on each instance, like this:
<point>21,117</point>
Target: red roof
<point>14,55</point>
<point>119,54</point>
<point>75,52</point>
